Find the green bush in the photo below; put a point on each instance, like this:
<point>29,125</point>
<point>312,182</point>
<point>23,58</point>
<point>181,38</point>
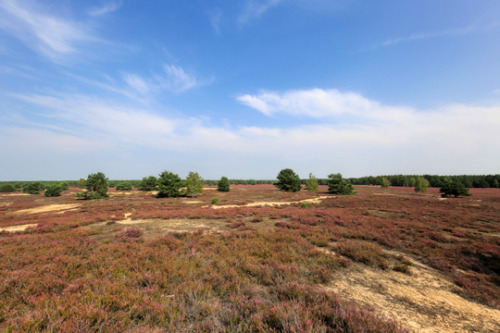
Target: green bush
<point>338,185</point>
<point>97,187</point>
<point>456,189</point>
<point>421,184</point>
<point>6,188</point>
<point>53,190</point>
<point>194,184</point>
<point>288,181</point>
<point>215,200</point>
<point>312,183</point>
<point>124,186</point>
<point>385,183</point>
<point>223,185</point>
<point>148,184</point>
<point>169,185</point>
<point>33,188</point>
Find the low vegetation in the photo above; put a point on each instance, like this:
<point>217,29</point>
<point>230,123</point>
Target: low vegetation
<point>123,263</point>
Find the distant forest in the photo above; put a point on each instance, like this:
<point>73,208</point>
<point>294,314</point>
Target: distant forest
<point>470,181</point>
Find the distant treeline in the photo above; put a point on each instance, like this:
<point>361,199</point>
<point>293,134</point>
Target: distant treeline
<point>481,181</point>
<point>470,181</point>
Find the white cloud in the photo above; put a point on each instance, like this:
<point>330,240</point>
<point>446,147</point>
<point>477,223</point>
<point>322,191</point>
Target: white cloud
<point>215,18</point>
<point>321,103</point>
<point>46,33</point>
<point>254,9</point>
<point>137,83</point>
<point>105,8</point>
<point>444,33</point>
<point>176,79</point>
<point>451,139</point>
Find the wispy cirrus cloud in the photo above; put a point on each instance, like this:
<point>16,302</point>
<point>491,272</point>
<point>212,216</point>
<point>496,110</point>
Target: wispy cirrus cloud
<point>215,18</point>
<point>105,8</point>
<point>254,9</point>
<point>47,34</point>
<point>443,33</point>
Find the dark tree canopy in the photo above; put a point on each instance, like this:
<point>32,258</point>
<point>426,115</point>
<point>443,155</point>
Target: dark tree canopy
<point>288,181</point>
<point>338,185</point>
<point>33,188</point>
<point>169,185</point>
<point>456,189</point>
<point>96,185</point>
<point>5,188</point>
<point>223,185</point>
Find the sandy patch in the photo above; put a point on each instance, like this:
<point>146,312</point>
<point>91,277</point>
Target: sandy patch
<point>15,228</point>
<point>13,194</point>
<point>47,208</point>
<point>272,203</point>
<point>424,301</point>
<point>119,193</point>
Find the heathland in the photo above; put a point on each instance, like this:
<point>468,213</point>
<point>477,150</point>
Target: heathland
<point>255,260</point>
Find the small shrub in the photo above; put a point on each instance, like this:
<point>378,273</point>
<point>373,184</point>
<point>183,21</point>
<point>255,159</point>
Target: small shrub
<point>53,190</point>
<point>421,184</point>
<point>32,188</point>
<point>288,181</point>
<point>132,233</point>
<point>385,183</point>
<point>223,185</point>
<point>338,185</point>
<point>6,188</point>
<point>364,252</point>
<point>304,205</point>
<point>97,187</point>
<point>456,189</point>
<point>312,183</point>
<point>148,184</point>
<point>124,186</point>
<point>169,185</point>
<point>215,200</point>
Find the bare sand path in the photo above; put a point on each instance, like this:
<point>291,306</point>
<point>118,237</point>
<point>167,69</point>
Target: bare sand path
<point>424,301</point>
<point>47,208</point>
<point>272,203</point>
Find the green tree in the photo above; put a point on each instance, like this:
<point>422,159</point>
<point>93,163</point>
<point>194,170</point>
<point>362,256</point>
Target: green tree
<point>148,183</point>
<point>223,185</point>
<point>53,190</point>
<point>169,185</point>
<point>385,183</point>
<point>338,185</point>
<point>64,186</point>
<point>96,185</point>
<point>124,186</point>
<point>312,183</point>
<point>421,184</point>
<point>194,184</point>
<point>81,183</point>
<point>6,188</point>
<point>32,188</point>
<point>454,188</point>
<point>288,181</point>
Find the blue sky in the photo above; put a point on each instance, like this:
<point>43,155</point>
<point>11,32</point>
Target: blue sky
<point>246,88</point>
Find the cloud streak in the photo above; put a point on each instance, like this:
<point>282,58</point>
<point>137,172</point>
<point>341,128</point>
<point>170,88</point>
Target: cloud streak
<point>47,34</point>
<point>444,33</point>
<point>106,8</point>
<point>254,9</point>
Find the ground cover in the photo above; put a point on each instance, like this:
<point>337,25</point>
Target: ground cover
<point>263,263</point>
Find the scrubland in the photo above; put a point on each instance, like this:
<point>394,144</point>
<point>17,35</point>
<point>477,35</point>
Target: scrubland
<point>381,260</point>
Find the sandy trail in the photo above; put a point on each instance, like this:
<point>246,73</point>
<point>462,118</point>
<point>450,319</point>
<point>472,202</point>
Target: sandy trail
<point>48,208</point>
<point>15,228</point>
<point>272,203</point>
<point>423,301</point>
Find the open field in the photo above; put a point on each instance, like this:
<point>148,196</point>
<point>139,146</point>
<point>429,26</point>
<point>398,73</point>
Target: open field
<point>382,260</point>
